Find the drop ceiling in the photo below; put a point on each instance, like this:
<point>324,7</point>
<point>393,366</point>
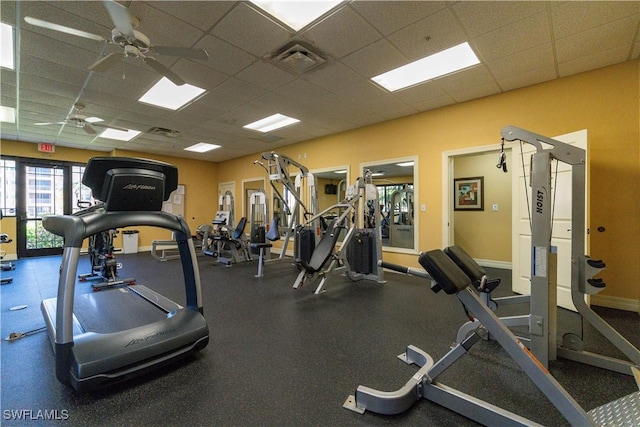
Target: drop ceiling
<point>519,44</point>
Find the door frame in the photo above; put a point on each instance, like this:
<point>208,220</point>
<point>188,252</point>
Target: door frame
<point>21,203</point>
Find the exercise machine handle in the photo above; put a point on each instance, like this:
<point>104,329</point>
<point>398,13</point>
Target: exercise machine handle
<point>405,270</point>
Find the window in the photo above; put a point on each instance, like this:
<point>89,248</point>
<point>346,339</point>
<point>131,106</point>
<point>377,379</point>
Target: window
<point>81,194</point>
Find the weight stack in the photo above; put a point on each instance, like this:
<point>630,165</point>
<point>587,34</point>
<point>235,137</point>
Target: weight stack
<point>361,253</point>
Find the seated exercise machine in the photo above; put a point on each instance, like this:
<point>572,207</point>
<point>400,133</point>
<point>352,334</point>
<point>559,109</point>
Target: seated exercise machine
<point>102,258</point>
<point>357,254</point>
<point>106,337</point>
<point>228,247</point>
<point>448,276</point>
<point>5,265</point>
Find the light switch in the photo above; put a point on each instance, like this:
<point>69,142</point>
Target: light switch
<point>495,207</point>
<point>423,207</point>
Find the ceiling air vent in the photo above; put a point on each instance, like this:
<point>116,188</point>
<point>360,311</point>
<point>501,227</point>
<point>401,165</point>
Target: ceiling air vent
<point>297,57</point>
<point>164,132</point>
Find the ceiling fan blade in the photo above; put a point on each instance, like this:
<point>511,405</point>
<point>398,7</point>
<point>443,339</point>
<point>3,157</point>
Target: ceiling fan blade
<point>184,52</point>
<point>103,64</point>
<point>120,17</point>
<point>88,129</point>
<point>164,71</point>
<point>100,125</point>
<point>45,124</point>
<point>63,29</point>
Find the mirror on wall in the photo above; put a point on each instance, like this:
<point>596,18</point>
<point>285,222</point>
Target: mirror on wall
<point>396,181</point>
<point>331,184</point>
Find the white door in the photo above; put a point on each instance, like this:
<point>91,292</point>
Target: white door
<point>561,232</point>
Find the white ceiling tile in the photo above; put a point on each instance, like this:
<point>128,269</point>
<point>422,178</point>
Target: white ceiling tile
<point>387,20</point>
<point>522,35</point>
<point>527,78</point>
<point>301,91</point>
<point>433,103</point>
<point>240,89</point>
<point>334,76</point>
<point>539,57</point>
<point>573,17</point>
<point>342,33</point>
<point>419,93</point>
<point>201,14</point>
<point>265,75</point>
<point>441,29</point>
<point>475,92</point>
<point>618,34</point>
<point>471,77</point>
<point>224,56</point>
<point>480,17</point>
<point>598,59</point>
<point>375,59</point>
<point>251,31</point>
<point>363,92</point>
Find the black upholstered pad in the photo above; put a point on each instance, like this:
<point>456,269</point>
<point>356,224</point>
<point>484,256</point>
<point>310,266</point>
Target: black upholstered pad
<point>465,262</point>
<point>444,271</point>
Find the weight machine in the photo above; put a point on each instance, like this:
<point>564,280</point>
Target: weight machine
<point>542,318</point>
<point>357,254</point>
<point>302,188</point>
<point>401,218</point>
<point>451,274</point>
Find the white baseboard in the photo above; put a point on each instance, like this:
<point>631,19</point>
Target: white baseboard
<point>618,303</point>
<point>505,265</point>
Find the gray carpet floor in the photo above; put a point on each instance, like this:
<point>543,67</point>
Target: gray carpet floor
<point>284,357</point>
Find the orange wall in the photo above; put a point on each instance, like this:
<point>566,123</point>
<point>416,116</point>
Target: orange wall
<point>604,101</point>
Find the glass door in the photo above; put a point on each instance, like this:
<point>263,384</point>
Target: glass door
<point>44,190</point>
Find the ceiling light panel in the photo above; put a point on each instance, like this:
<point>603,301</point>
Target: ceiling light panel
<point>202,147</point>
<point>165,94</point>
<point>296,14</point>
<point>120,135</point>
<point>7,114</point>
<point>437,65</point>
<point>270,123</point>
<point>6,51</point>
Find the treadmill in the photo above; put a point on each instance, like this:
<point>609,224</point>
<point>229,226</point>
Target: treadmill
<point>102,338</point>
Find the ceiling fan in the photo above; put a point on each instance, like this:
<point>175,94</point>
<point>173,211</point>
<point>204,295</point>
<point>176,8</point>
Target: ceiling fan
<point>78,120</point>
<point>132,42</point>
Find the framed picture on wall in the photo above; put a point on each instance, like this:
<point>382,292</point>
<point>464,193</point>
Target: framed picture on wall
<point>468,194</point>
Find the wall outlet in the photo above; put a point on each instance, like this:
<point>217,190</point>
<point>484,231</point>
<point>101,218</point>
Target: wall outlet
<point>495,207</point>
<point>423,208</point>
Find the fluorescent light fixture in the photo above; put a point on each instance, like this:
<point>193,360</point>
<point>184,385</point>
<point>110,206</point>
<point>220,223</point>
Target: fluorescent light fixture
<point>439,64</point>
<point>6,53</point>
<point>377,174</point>
<point>202,147</point>
<point>120,135</point>
<point>7,114</point>
<point>342,172</point>
<point>296,14</point>
<point>270,123</point>
<point>405,164</point>
<point>167,95</point>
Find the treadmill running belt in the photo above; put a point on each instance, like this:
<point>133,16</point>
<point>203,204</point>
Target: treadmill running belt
<point>114,310</point>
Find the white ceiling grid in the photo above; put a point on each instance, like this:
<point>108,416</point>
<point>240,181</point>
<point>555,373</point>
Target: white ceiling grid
<point>519,44</point>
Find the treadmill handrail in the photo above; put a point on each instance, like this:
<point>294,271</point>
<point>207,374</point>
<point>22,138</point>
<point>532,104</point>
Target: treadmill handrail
<point>75,229</point>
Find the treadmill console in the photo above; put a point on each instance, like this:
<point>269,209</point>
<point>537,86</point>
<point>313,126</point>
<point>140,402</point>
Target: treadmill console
<point>130,184</point>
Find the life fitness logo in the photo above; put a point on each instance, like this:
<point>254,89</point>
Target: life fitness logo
<point>138,187</point>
